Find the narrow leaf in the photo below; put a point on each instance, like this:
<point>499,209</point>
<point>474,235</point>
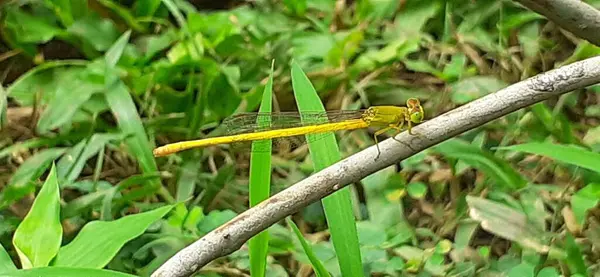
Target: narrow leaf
<point>569,154</point>
<point>260,183</point>
<point>495,168</point>
<point>318,267</point>
<point>338,206</point>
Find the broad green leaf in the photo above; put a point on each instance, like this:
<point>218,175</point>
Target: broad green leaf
<point>99,33</point>
<point>569,154</point>
<point>338,206</point>
<point>411,19</point>
<point>43,81</point>
<point>308,46</point>
<point>524,269</point>
<point>188,174</point>
<point>144,8</point>
<point>99,241</point>
<point>318,267</point>
<point>6,263</point>
<point>297,7</point>
<point>38,237</point>
<point>583,200</point>
<point>417,190</point>
<point>260,183</point>
<point>68,272</point>
<point>28,28</point>
<point>68,98</point>
<point>495,168</point>
<point>507,223</point>
<point>471,88</point>
<point>21,183</point>
<point>548,272</point>
<point>215,219</point>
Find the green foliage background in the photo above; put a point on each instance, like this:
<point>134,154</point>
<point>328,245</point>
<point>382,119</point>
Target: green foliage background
<point>89,88</point>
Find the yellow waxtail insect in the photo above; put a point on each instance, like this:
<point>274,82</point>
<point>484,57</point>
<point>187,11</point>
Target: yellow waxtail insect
<point>385,117</point>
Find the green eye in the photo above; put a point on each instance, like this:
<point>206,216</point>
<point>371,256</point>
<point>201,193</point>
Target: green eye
<point>416,117</point>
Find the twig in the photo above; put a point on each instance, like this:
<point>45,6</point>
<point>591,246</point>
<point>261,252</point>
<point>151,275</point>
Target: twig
<point>232,235</point>
<point>576,17</point>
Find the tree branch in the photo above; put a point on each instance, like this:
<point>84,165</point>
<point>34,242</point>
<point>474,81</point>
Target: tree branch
<point>577,17</point>
<point>232,235</point>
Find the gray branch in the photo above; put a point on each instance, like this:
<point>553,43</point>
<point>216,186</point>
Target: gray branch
<point>575,16</point>
<point>232,235</point>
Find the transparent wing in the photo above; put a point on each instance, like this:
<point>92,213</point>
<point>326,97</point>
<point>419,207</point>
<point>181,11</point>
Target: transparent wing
<point>256,122</point>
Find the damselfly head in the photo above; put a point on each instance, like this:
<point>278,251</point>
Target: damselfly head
<point>415,110</point>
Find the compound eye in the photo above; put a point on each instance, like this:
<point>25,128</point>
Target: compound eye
<point>416,117</point>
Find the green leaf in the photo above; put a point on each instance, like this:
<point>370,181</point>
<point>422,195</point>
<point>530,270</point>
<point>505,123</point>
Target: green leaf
<point>260,183</point>
<point>507,223</point>
<point>3,107</point>
<point>548,272</point>
<point>99,241</point>
<point>495,168</point>
<point>417,190</point>
<point>124,110</point>
<point>411,19</point>
<point>298,7</point>
<point>98,32</point>
<point>21,182</point>
<point>215,219</point>
<point>569,154</point>
<point>583,200</point>
<point>145,8</point>
<point>29,29</point>
<point>43,81</point>
<point>115,52</point>
<point>68,272</point>
<point>38,237</point>
<point>338,206</point>
<point>574,256</point>
<point>318,267</point>
<point>68,98</point>
<point>6,263</point>
<point>524,269</point>
<point>71,164</point>
<point>471,88</point>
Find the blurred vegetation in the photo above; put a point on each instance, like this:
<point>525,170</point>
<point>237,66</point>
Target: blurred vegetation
<point>89,88</point>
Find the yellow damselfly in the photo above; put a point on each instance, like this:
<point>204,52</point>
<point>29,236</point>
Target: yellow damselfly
<point>260,126</point>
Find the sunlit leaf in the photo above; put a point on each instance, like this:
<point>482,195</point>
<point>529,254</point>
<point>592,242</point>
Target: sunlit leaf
<point>99,241</point>
<point>38,237</point>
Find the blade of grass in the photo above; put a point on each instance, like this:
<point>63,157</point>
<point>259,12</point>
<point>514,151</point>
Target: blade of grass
<point>492,166</point>
<point>3,107</point>
<point>338,206</point>
<point>260,183</point>
<point>21,182</point>
<point>122,106</point>
<point>569,154</point>
<point>318,267</point>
